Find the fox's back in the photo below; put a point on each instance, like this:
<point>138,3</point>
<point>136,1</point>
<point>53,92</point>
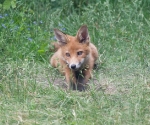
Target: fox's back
<point>94,51</point>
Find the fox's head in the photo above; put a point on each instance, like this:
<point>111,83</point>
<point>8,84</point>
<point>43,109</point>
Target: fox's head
<point>74,50</point>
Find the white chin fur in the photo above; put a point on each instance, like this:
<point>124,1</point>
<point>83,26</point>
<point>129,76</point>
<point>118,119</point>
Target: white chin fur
<point>80,64</point>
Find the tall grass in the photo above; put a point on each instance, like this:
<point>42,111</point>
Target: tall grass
<point>32,92</point>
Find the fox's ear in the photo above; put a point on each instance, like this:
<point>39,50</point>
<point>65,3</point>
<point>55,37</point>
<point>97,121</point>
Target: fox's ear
<point>60,36</point>
<point>82,34</point>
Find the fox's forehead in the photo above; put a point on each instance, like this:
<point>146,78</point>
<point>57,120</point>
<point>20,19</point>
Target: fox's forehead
<point>73,45</point>
<point>71,38</point>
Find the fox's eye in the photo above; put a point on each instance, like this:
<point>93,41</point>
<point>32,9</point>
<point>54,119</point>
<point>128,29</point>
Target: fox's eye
<point>79,53</point>
<point>68,54</point>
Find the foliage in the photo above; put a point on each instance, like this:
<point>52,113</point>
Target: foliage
<point>120,90</point>
<point>6,4</point>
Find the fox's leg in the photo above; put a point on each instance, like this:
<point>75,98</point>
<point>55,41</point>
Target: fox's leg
<point>88,71</point>
<point>70,78</point>
<point>87,75</point>
<point>54,61</point>
<point>82,79</point>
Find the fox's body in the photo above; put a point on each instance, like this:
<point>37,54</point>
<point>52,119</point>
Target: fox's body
<point>75,56</point>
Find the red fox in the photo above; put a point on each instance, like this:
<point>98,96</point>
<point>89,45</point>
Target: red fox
<point>75,56</point>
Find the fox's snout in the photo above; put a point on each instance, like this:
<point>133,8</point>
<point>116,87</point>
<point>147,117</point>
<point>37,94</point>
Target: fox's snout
<point>76,66</point>
<point>73,66</point>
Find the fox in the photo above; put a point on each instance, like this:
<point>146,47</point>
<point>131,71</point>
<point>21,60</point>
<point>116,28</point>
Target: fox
<point>75,56</point>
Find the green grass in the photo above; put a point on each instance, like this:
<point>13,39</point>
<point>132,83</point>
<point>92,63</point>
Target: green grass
<point>32,92</point>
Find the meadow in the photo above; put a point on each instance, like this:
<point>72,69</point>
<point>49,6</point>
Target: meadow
<point>32,92</point>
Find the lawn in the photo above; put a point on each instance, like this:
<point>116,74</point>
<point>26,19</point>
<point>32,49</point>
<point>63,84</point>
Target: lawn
<point>32,92</point>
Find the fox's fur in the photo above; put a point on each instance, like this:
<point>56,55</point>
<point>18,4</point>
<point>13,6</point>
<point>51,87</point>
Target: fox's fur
<point>75,56</point>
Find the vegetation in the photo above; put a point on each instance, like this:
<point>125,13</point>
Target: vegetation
<point>32,92</point>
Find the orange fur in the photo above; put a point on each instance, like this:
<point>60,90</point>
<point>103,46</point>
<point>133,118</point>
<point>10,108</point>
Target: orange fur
<point>75,56</point>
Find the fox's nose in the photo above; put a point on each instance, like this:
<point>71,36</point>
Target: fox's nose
<point>73,66</point>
